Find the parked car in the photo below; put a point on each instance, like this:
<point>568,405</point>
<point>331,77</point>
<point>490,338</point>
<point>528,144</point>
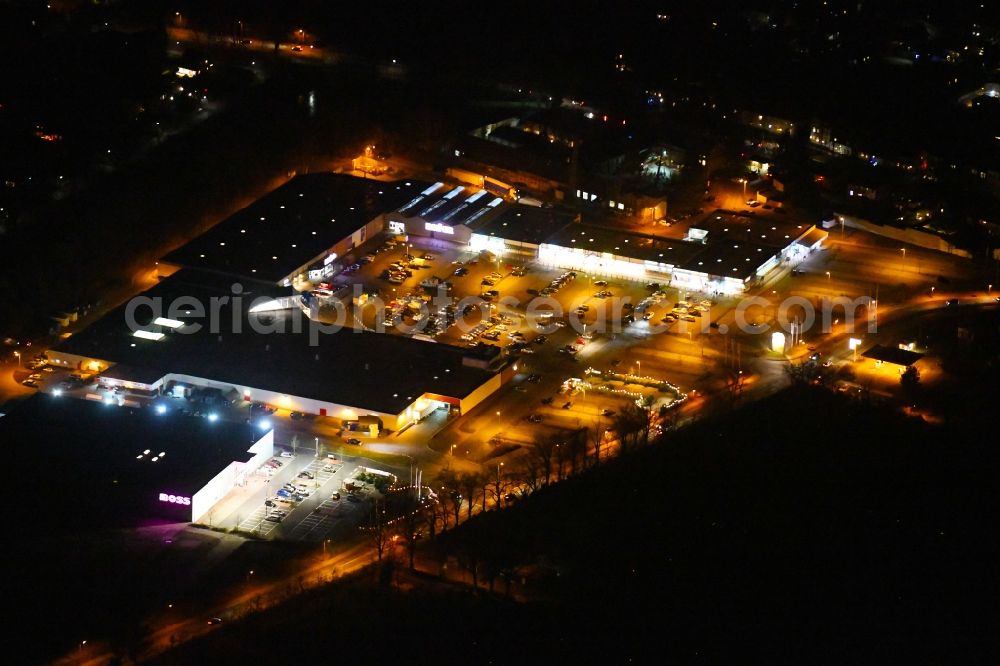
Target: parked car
<point>354,440</point>
<point>335,496</point>
<point>287,454</point>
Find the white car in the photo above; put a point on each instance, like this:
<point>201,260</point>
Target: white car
<point>287,454</point>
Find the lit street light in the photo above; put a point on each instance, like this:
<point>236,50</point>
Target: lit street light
<point>828,276</point>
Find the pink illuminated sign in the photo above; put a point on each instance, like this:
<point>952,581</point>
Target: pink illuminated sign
<point>175,499</point>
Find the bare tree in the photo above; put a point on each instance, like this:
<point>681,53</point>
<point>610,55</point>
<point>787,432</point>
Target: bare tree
<point>410,520</point>
<point>543,450</point>
<point>597,437</point>
<point>451,485</point>
<point>576,449</point>
<point>734,385</point>
<point>470,483</point>
<point>435,515</point>
<point>377,528</point>
<point>528,473</point>
<point>500,483</point>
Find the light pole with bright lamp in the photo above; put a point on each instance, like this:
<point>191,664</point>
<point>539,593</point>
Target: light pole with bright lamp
<point>828,276</point>
<point>499,489</point>
<point>18,355</point>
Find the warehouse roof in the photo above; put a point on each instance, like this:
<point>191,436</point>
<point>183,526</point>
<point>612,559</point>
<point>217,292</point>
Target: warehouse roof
<point>523,224</point>
<point>104,445</point>
<point>768,231</point>
<point>292,226</point>
<point>278,351</point>
<point>624,244</point>
<point>726,258</point>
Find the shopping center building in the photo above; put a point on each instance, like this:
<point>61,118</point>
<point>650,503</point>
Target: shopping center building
<point>121,465</point>
<point>192,330</point>
<point>725,253</point>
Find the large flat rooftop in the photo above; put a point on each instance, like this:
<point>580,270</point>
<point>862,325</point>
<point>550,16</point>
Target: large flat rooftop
<point>524,224</point>
<point>378,372</point>
<point>292,225</point>
<point>97,450</point>
<point>769,231</point>
<point>624,244</point>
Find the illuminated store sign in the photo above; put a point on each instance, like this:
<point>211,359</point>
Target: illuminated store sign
<point>437,226</point>
<point>175,499</point>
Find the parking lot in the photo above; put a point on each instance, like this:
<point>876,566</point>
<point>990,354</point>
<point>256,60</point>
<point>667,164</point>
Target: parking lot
<point>304,502</point>
<point>407,276</point>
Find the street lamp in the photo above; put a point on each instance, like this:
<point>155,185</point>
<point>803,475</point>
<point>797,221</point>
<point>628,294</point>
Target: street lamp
<point>499,465</point>
<point>828,276</point>
<point>18,355</point>
<point>499,424</point>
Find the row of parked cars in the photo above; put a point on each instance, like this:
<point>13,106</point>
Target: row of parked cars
<point>558,283</point>
<point>687,311</point>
